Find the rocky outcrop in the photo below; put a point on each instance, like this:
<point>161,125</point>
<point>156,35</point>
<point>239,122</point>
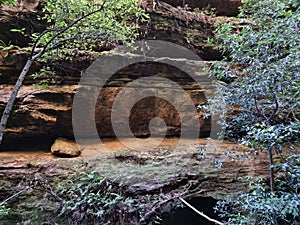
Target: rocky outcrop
<point>37,112</point>
<point>151,176</point>
<point>47,113</point>
<point>164,172</point>
<point>67,73</point>
<point>154,178</point>
<point>25,15</point>
<point>182,27</point>
<point>189,29</point>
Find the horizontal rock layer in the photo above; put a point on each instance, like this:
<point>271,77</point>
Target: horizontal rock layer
<point>146,174</point>
<point>47,113</point>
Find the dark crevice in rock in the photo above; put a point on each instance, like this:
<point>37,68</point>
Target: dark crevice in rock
<point>37,143</point>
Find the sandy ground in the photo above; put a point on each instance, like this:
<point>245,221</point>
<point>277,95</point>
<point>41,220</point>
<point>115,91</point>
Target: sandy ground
<point>95,149</point>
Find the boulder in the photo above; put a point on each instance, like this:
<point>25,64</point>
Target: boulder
<point>65,148</point>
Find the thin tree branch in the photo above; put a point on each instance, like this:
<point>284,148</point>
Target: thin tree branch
<point>12,98</point>
<point>71,25</point>
<point>275,110</point>
<point>157,206</point>
<point>200,213</point>
<point>272,186</point>
<point>14,195</point>
<point>37,41</point>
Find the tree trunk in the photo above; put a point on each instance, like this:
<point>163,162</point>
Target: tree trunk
<point>271,168</point>
<point>13,96</point>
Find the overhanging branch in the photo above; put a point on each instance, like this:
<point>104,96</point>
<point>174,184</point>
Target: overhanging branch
<point>200,213</point>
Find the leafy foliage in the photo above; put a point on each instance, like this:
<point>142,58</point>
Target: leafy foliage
<point>262,74</point>
<point>11,2</point>
<point>263,63</point>
<point>261,206</point>
<point>82,24</point>
<point>4,49</point>
<point>78,28</point>
<point>4,210</point>
<point>45,78</point>
<point>94,198</point>
<point>275,136</point>
<point>88,198</point>
<point>261,85</point>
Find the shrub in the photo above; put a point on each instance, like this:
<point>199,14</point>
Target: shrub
<point>260,206</point>
<point>94,200</point>
<point>261,80</point>
<point>263,60</point>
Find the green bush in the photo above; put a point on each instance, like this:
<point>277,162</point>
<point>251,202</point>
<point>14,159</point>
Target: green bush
<point>94,200</point>
<point>100,23</point>
<point>4,210</point>
<point>260,206</point>
<point>262,65</point>
<point>261,82</point>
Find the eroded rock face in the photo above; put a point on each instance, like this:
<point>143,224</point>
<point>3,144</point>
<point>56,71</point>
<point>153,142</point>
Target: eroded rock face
<point>167,23</point>
<point>47,113</point>
<point>36,112</point>
<point>187,28</point>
